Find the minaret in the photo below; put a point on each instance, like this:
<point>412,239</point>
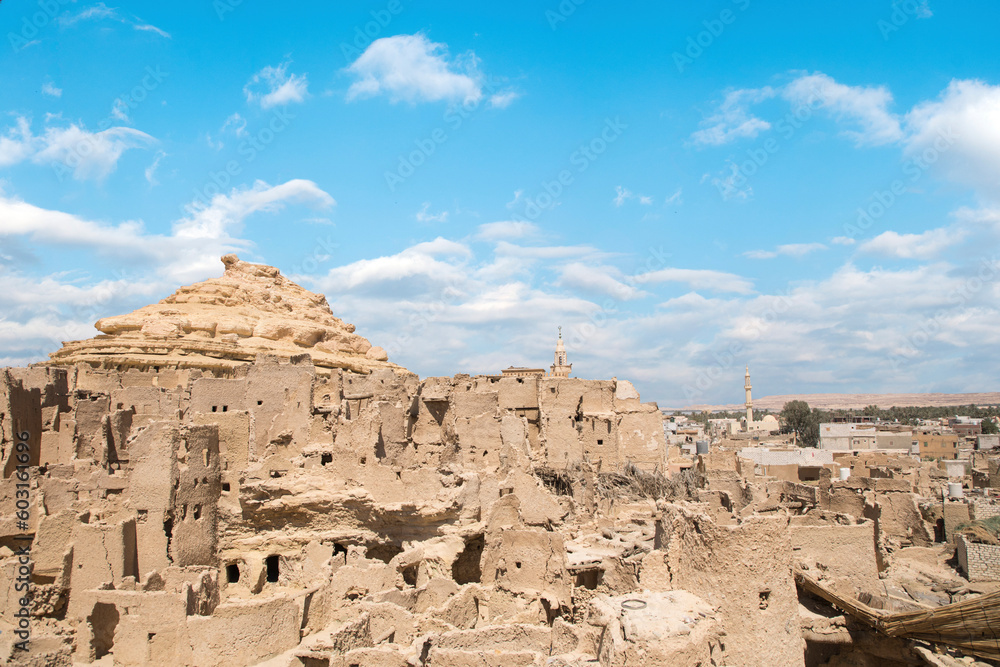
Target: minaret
<point>561,369</point>
<point>749,404</point>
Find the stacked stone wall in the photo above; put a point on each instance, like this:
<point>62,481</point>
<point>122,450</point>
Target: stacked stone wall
<point>979,562</point>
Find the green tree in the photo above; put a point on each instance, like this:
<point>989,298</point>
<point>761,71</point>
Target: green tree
<point>990,426</point>
<point>798,418</point>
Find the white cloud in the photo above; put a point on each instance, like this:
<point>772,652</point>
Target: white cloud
<point>715,281</point>
<point>237,123</point>
<point>788,250</point>
<point>733,120</point>
<point>424,214</point>
<point>101,11</point>
<point>867,106</point>
<point>89,155</point>
<point>504,99</point>
<point>645,201</point>
<point>72,149</point>
<point>507,229</point>
<point>927,245</point>
<point>274,86</point>
<point>119,110</point>
<point>621,194</point>
<point>600,279</point>
<point>843,240</point>
<point>413,69</point>
<point>18,144</point>
<point>864,106</point>
<point>151,169</point>
<point>546,252</point>
<point>518,194</point>
<point>421,260</point>
<point>676,198</point>
<point>959,133</point>
<point>51,90</point>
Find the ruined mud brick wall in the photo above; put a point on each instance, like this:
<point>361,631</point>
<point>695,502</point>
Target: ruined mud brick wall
<point>840,549</point>
<point>744,570</point>
<point>979,562</point>
<point>954,515</point>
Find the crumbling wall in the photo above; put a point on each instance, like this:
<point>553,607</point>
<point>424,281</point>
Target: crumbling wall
<point>745,571</point>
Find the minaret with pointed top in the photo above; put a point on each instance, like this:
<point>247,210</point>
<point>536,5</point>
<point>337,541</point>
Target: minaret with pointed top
<point>749,404</point>
<point>561,369</point>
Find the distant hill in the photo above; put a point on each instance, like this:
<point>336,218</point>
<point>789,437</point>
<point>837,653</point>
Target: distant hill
<point>858,401</point>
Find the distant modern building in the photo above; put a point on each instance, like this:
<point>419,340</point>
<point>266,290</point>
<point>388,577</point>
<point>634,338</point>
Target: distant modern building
<point>843,436</point>
<point>853,436</point>
<point>934,445</point>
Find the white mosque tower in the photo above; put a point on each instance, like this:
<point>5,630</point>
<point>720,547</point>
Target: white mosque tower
<point>561,369</point>
<point>749,403</point>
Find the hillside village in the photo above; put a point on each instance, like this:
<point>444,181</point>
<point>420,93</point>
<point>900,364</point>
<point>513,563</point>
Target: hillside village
<point>234,476</point>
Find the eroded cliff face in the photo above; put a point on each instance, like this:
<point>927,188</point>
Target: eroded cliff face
<point>225,322</point>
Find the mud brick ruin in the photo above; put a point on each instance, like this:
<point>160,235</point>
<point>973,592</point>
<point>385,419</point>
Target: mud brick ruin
<point>232,476</point>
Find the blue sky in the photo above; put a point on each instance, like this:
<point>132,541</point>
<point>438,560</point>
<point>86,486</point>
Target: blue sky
<point>808,188</point>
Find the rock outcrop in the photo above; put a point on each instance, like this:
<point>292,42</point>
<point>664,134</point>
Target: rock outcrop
<point>226,322</point>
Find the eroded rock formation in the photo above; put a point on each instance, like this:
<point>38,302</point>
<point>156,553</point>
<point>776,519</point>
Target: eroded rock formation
<point>224,322</point>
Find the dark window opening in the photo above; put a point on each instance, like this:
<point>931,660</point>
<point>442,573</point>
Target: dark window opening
<point>517,564</point>
<point>225,487</point>
<point>272,568</point>
<point>590,579</point>
<point>225,408</point>
<point>600,442</point>
<point>339,548</point>
<point>364,460</point>
<point>325,458</point>
<point>150,636</point>
<point>410,575</point>
<point>260,402</point>
<point>197,512</point>
<point>466,568</point>
<point>232,573</point>
<point>104,620</point>
<point>215,408</point>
